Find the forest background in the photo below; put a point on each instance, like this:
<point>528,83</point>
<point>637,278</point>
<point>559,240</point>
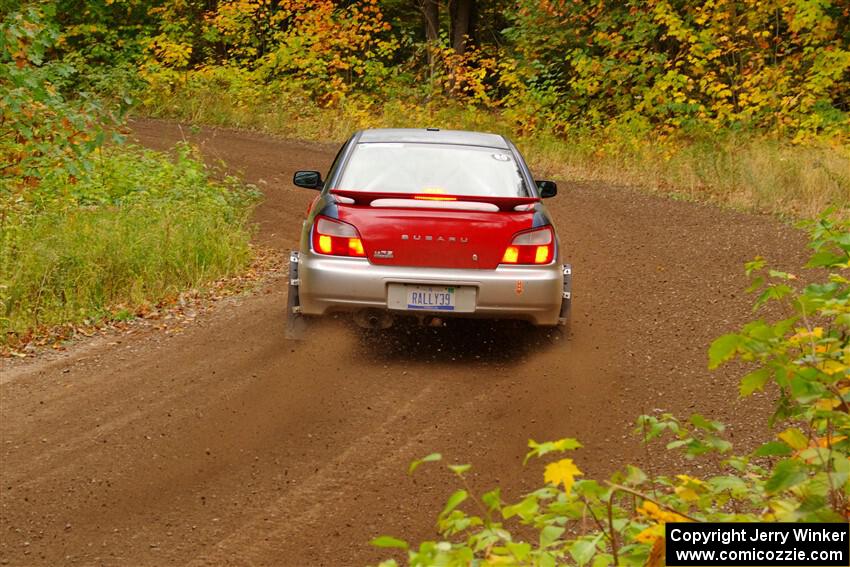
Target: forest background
<point>740,101</point>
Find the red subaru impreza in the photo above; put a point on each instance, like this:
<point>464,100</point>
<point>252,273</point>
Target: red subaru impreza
<point>428,223</point>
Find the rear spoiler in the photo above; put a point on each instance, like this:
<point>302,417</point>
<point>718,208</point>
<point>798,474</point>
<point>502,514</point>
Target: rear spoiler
<point>366,198</point>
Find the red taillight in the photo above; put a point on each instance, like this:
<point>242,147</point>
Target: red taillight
<point>531,247</point>
<point>336,238</point>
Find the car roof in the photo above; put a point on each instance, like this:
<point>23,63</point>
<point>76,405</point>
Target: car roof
<point>433,136</point>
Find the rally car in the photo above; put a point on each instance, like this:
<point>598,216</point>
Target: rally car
<point>432,224</point>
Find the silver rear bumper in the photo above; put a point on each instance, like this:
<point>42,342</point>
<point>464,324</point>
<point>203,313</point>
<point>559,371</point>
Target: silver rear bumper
<point>330,284</point>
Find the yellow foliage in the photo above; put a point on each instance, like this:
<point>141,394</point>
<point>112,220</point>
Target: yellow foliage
<point>825,442</point>
<point>833,367</point>
<point>651,510</point>
<point>794,438</point>
<point>562,472</point>
<point>651,534</point>
<point>805,335</point>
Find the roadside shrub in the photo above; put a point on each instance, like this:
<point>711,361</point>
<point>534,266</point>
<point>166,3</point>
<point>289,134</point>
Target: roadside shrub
<point>802,355</point>
<point>138,227</point>
<point>84,226</point>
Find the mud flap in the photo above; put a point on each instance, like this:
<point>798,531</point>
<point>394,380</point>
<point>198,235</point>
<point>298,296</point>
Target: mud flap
<point>296,324</point>
<point>566,298</point>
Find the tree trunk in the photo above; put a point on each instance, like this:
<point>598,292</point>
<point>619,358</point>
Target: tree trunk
<point>431,18</point>
<point>463,16</point>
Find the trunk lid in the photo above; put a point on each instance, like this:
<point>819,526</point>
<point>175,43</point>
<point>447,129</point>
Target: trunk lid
<point>398,231</point>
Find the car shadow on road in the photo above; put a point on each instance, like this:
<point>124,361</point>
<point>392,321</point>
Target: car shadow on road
<point>458,341</point>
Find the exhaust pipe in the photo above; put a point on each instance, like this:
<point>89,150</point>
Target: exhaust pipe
<point>373,319</point>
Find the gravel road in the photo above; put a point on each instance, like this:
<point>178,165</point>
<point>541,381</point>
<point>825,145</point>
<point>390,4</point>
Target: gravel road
<point>228,445</point>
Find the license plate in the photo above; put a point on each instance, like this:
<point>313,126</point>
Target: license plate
<point>436,298</point>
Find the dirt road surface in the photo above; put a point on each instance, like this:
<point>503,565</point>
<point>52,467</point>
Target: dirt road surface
<point>228,445</point>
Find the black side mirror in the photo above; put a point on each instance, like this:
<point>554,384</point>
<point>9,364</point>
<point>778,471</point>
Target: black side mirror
<point>308,179</point>
<point>547,189</point>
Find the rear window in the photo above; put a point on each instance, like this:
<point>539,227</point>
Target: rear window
<point>433,168</point>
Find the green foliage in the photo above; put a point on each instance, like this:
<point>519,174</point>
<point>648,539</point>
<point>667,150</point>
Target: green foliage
<point>661,65</point>
<point>325,48</point>
<point>138,227</point>
<point>773,64</point>
<point>40,130</point>
<point>86,225</point>
<point>427,459</point>
<point>541,449</point>
<point>801,476</point>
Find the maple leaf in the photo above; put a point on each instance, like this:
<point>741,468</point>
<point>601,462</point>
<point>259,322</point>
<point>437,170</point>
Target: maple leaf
<point>562,472</point>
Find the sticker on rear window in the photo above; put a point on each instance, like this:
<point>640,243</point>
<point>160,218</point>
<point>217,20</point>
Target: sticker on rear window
<point>379,145</point>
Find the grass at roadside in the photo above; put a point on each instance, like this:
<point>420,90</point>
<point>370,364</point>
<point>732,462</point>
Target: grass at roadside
<point>750,172</point>
<point>136,228</point>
